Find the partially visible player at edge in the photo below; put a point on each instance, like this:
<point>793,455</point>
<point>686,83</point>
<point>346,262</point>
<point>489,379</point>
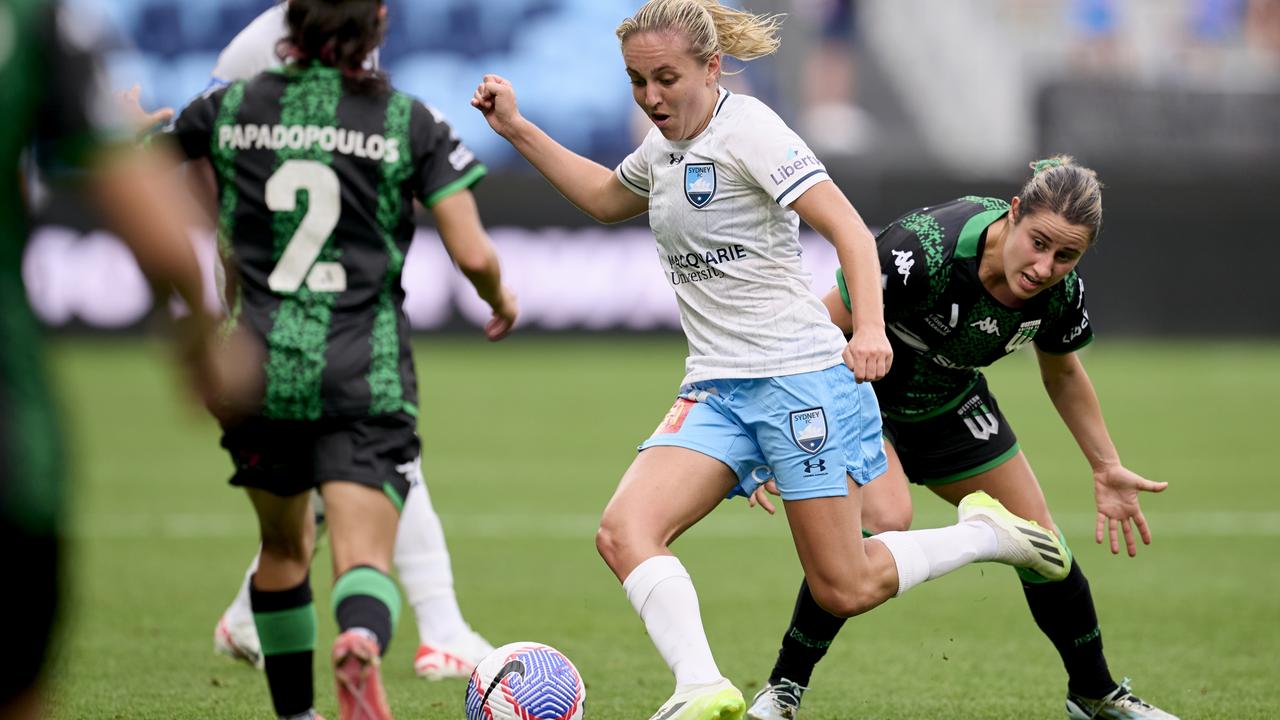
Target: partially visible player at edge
<point>770,383</point>
<point>966,283</point>
<point>447,647</point>
<point>317,164</point>
<point>55,98</point>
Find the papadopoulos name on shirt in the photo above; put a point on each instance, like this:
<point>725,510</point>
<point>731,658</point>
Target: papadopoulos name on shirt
<point>701,265</point>
<point>298,137</point>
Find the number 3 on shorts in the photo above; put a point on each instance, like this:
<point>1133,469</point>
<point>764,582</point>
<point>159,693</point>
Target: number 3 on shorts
<point>324,205</point>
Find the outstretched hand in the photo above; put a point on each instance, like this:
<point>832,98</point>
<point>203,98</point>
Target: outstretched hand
<point>1115,490</point>
<point>496,100</point>
<point>140,120</point>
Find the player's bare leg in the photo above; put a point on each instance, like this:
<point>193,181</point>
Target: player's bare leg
<point>664,492</point>
<point>362,530</point>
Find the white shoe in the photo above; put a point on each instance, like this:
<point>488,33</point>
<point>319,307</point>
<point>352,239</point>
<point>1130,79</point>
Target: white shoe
<point>719,700</point>
<point>777,702</point>
<point>1020,542</point>
<point>455,660</point>
<point>1120,704</point>
<point>238,641</point>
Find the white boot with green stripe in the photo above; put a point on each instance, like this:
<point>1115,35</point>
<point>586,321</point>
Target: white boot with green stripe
<point>1020,542</point>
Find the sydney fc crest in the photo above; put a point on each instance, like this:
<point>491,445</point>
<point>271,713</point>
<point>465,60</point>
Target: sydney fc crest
<point>699,183</point>
<point>809,429</point>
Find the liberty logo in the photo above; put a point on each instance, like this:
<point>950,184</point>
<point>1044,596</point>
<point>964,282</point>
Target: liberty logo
<point>1026,331</point>
<point>675,159</point>
<point>699,183</point>
<point>811,466</point>
<point>904,262</point>
<point>987,325</point>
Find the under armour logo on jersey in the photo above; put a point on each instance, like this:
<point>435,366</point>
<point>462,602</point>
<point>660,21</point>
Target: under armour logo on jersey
<point>812,466</point>
<point>675,159</point>
<point>987,325</point>
<point>904,262</point>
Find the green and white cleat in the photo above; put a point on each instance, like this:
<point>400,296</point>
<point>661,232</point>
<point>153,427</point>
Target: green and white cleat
<point>1120,704</point>
<point>1021,543</point>
<point>777,702</point>
<point>719,700</point>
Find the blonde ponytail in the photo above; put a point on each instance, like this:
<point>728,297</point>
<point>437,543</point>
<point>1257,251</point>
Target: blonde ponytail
<point>709,26</point>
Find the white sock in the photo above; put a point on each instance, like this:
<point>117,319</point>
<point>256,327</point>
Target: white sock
<point>927,554</point>
<point>240,612</point>
<point>422,564</point>
<point>662,592</point>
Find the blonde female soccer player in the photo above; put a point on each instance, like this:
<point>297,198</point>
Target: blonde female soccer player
<point>770,388</point>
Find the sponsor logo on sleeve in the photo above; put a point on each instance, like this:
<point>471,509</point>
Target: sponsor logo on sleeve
<point>1078,330</point>
<point>796,165</point>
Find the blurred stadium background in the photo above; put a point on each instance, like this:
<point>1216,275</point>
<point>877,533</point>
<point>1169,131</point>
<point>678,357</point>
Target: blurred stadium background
<point>1175,102</point>
<point>910,102</point>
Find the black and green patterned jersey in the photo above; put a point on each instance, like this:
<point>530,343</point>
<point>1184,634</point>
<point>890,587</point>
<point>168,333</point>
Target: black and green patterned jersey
<point>942,322</point>
<point>315,185</point>
<point>57,104</point>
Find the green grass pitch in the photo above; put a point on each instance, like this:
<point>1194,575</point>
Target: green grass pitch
<point>523,444</point>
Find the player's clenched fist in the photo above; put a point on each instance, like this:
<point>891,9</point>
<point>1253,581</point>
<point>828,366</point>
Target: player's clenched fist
<point>496,99</point>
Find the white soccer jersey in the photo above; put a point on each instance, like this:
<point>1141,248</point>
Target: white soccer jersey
<point>254,49</point>
<point>729,245</point>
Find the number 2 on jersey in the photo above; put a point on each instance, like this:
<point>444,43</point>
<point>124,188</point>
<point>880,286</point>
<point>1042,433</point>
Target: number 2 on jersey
<point>324,206</point>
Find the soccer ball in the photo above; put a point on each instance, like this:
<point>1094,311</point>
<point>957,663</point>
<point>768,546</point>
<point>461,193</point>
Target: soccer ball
<point>525,681</point>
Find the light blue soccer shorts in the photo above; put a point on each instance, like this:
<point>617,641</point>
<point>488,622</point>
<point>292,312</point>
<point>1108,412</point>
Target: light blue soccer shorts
<point>806,431</point>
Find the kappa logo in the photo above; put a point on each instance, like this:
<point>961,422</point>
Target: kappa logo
<point>903,260</point>
<point>675,159</point>
<point>699,183</point>
<point>987,325</point>
<point>809,429</point>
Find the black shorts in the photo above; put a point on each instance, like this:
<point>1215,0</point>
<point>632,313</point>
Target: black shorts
<point>969,438</point>
<point>287,457</point>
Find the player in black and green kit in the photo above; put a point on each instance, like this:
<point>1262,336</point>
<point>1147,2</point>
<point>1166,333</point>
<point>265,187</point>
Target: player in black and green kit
<point>966,283</point>
<point>318,164</point>
<point>57,105</point>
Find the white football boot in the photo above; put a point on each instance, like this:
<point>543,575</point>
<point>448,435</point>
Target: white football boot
<point>1119,704</point>
<point>777,702</point>
<point>1020,542</point>
<point>719,700</point>
<point>238,641</point>
<point>454,660</point>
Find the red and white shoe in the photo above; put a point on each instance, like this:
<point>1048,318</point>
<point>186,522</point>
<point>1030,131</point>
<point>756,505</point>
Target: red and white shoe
<point>356,669</point>
<point>455,660</point>
<point>238,641</point>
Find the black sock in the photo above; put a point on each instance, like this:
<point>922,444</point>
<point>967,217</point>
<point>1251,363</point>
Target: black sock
<point>365,597</point>
<point>286,622</point>
<point>807,638</point>
<point>1064,611</point>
